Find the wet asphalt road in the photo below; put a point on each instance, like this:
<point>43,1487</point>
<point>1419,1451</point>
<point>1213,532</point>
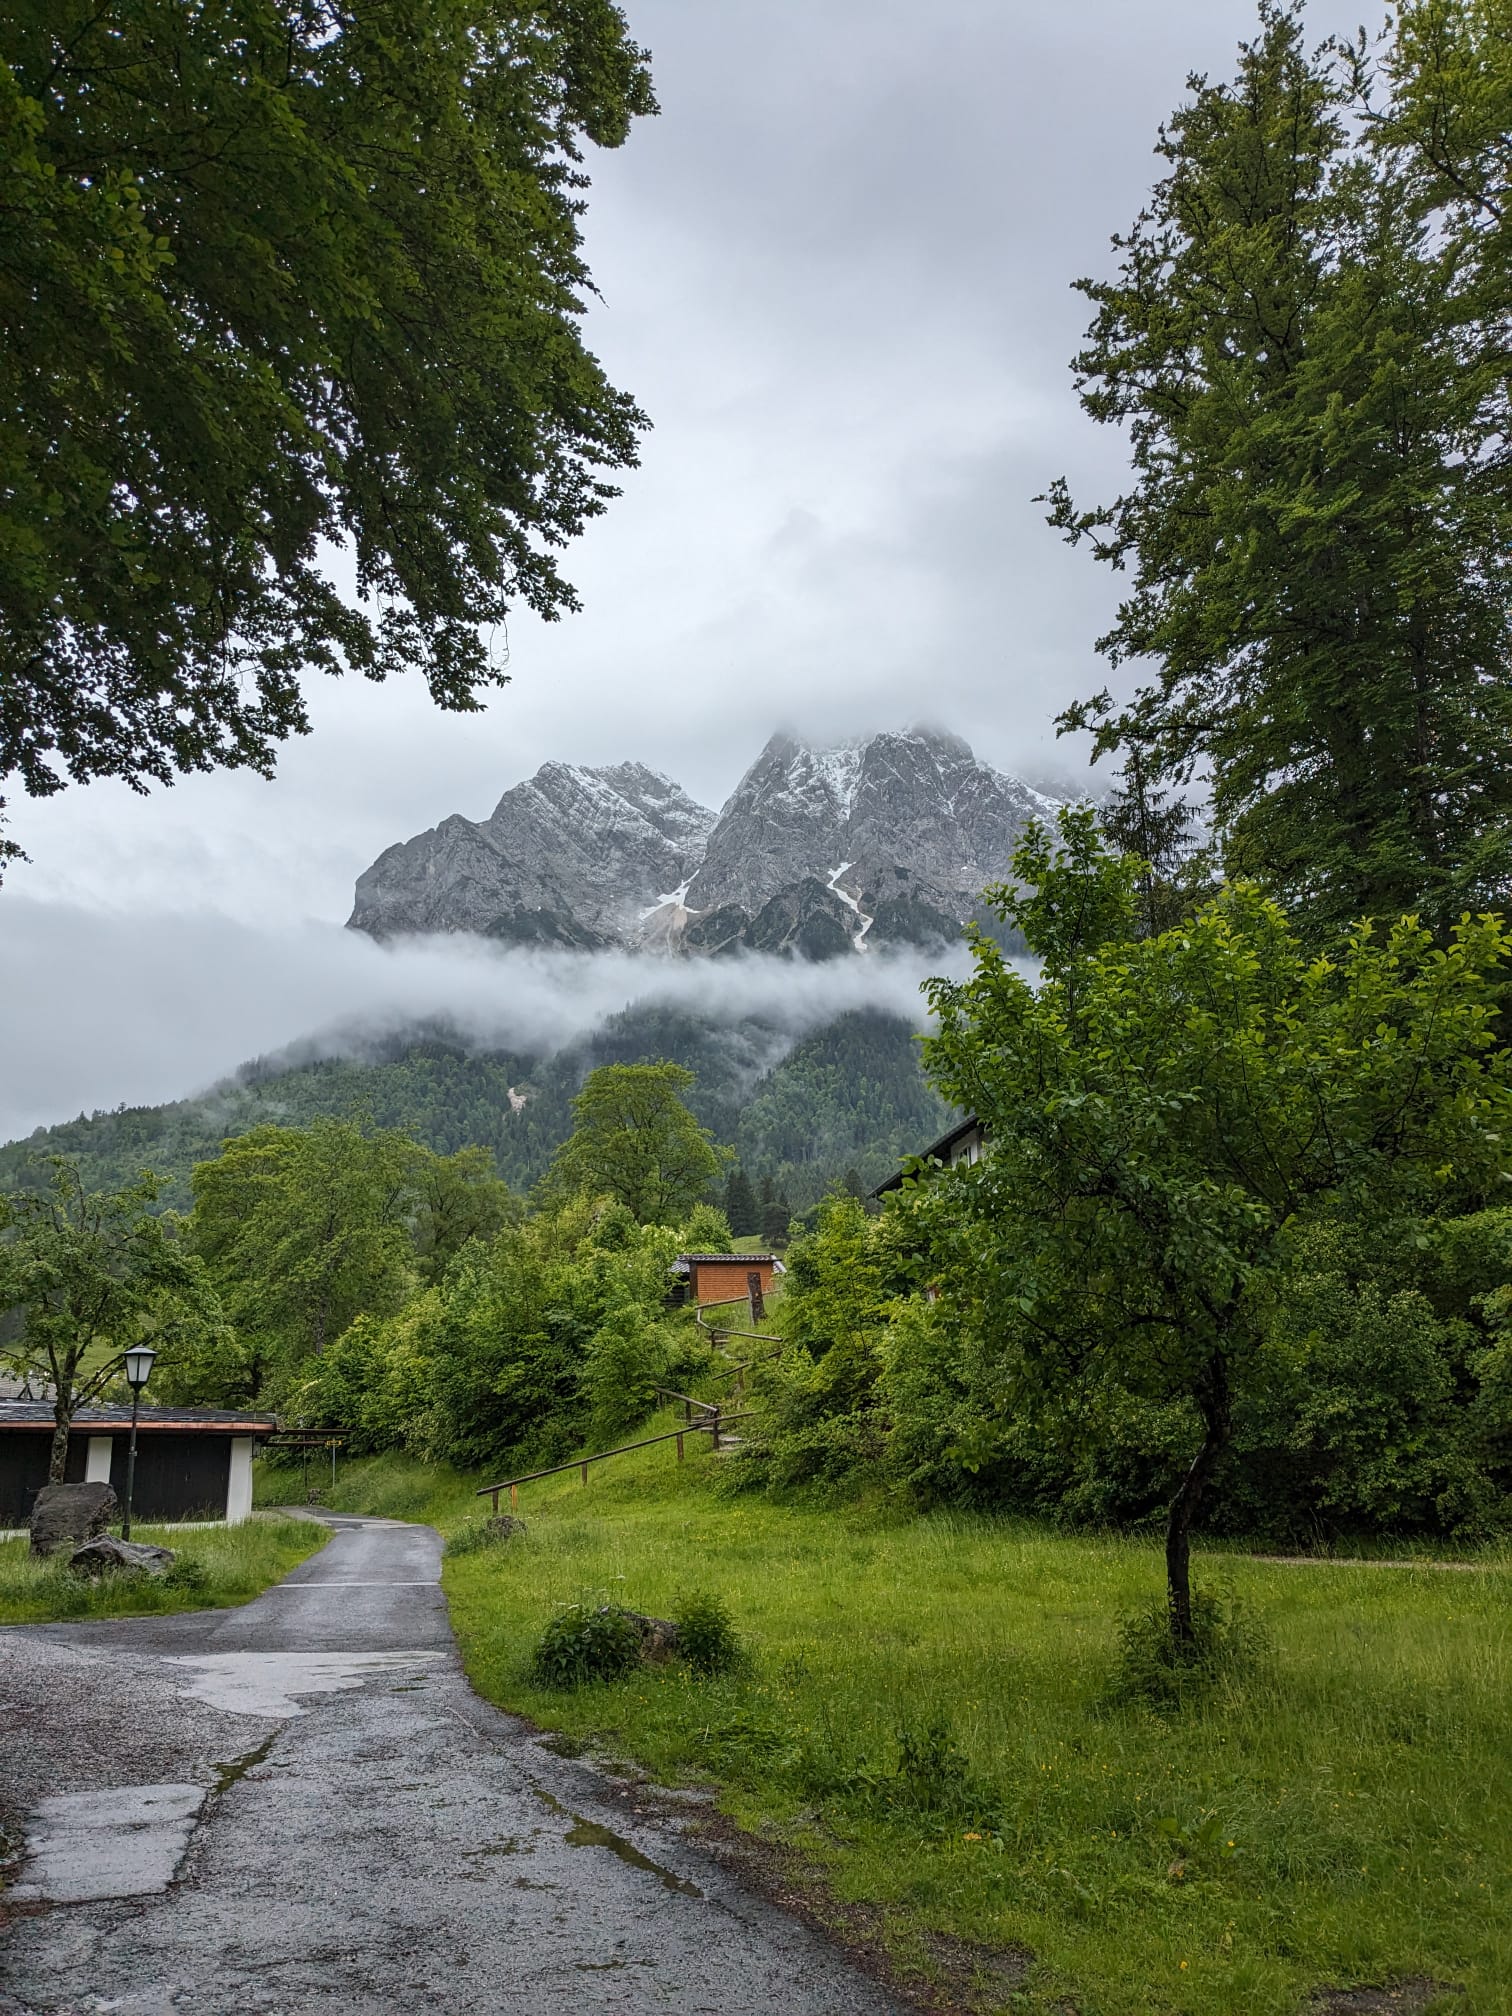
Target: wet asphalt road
<point>300,1806</point>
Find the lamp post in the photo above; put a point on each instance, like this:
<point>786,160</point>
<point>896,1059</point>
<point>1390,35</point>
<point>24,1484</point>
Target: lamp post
<point>138,1372</point>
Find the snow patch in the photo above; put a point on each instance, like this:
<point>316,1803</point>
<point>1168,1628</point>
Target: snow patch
<point>838,771</point>
<point>851,904</point>
<point>679,896</point>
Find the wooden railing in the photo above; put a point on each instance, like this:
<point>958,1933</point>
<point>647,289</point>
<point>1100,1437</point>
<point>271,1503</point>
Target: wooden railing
<point>717,1330</point>
<point>713,1428</point>
<point>718,1419</point>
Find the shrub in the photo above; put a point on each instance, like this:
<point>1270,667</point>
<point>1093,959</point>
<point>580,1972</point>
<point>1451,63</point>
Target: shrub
<point>936,1781</point>
<point>706,1637</point>
<point>1228,1643</point>
<point>586,1642</point>
<point>626,1360</point>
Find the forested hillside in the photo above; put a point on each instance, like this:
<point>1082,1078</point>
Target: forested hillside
<point>848,1100</point>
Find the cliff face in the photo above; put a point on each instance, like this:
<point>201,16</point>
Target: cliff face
<point>819,851</point>
<point>572,857</point>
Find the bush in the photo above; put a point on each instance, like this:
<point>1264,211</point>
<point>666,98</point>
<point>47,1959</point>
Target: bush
<point>1228,1643</point>
<point>706,1638</point>
<point>586,1642</point>
<point>626,1360</point>
<point>936,1782</point>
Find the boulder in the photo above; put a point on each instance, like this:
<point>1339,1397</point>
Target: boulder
<point>503,1526</point>
<point>107,1554</point>
<point>660,1638</point>
<point>66,1514</point>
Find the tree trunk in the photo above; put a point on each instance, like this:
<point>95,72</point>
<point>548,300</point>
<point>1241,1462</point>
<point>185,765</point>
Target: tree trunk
<point>1212,1397</point>
<point>63,1421</point>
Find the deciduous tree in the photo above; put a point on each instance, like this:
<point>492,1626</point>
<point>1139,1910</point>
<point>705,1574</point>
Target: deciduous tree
<point>85,1274</point>
<point>633,1139</point>
<point>278,276</point>
<point>1166,1114</point>
<point>303,1229</point>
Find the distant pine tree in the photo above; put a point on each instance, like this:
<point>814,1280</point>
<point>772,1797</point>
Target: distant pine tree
<point>1143,820</point>
<point>740,1205</point>
<point>775,1214</point>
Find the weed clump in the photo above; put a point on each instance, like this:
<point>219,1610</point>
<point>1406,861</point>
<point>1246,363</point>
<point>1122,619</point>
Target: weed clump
<point>187,1576</point>
<point>479,1534</point>
<point>936,1781</point>
<point>1154,1670</point>
<point>586,1642</point>
<point>706,1638</point>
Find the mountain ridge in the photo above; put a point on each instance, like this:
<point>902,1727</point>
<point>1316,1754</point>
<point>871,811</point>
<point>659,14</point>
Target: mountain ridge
<point>821,850</point>
<point>803,1110</point>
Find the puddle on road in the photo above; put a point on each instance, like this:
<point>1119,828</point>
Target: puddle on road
<point>228,1774</point>
<point>588,1834</point>
<point>266,1683</point>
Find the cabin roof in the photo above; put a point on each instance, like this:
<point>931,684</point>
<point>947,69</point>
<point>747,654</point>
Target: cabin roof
<point>686,1260</point>
<point>38,1414</point>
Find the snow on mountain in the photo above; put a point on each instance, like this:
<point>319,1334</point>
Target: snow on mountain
<point>622,855</point>
<point>572,856</point>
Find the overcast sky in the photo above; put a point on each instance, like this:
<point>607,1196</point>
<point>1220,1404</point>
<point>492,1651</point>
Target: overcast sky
<point>836,273</point>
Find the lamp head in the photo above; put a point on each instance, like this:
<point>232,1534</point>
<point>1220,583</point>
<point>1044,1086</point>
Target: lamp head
<point>139,1361</point>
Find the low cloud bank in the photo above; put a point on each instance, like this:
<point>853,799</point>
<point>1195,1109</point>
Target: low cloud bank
<point>98,1010</point>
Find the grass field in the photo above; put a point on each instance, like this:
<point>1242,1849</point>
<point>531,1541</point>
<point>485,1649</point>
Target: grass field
<point>239,1563</point>
<point>1343,1819</point>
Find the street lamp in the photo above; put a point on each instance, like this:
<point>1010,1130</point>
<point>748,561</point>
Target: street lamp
<point>138,1371</point>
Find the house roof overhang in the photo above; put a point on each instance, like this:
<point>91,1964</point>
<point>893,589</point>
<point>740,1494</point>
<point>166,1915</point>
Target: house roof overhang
<point>937,1151</point>
<point>36,1417</point>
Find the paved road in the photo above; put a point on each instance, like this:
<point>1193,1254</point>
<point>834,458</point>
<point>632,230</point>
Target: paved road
<point>300,1806</point>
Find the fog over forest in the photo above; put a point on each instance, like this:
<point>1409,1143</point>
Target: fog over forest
<point>140,1009</point>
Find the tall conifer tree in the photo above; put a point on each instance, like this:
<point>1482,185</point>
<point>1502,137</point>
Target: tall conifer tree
<point>1319,528</point>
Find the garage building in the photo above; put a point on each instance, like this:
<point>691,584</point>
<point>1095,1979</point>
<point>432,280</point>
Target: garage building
<point>192,1462</point>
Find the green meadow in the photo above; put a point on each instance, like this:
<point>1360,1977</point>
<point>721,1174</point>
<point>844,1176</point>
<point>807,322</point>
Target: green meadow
<point>1341,1817</point>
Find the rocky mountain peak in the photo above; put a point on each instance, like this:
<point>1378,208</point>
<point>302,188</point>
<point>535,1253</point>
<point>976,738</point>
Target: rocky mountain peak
<point>572,856</point>
<point>820,849</point>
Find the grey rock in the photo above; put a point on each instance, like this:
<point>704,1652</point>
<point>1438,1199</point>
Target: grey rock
<point>106,1554</point>
<point>65,1514</point>
<point>861,812</point>
<point>504,1526</point>
<point>806,919</point>
<point>715,933</point>
<point>660,1638</point>
<point>785,820</point>
<point>573,857</point>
